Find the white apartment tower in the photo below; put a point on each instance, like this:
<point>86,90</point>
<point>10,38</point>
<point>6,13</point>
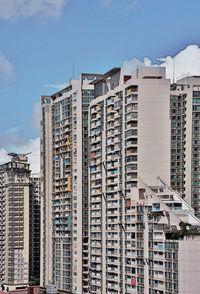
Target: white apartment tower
<point>64,172</point>
<point>14,220</point>
<point>185,139</point>
<point>129,139</point>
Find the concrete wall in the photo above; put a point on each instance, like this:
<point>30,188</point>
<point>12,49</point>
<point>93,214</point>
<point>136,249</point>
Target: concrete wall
<point>189,266</point>
<point>153,130</point>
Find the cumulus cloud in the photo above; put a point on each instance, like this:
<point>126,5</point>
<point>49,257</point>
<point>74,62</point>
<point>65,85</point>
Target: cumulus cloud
<point>6,67</point>
<point>14,9</point>
<point>130,66</point>
<point>184,63</point>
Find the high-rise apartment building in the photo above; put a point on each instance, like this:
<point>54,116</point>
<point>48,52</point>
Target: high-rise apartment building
<point>14,220</point>
<point>34,229</point>
<point>46,193</point>
<point>129,139</point>
<point>185,140</point>
<point>64,172</point>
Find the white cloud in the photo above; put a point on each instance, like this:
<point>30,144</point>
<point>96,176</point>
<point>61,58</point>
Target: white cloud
<point>184,63</point>
<point>129,66</point>
<point>14,9</point>
<point>6,67</point>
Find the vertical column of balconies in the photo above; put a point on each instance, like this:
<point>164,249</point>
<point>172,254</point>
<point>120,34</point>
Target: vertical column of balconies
<point>171,267</point>
<point>62,196</point>
<point>130,247</point>
<point>87,95</point>
<point>10,232</point>
<point>46,191</point>
<point>56,201</point>
<point>195,151</point>
<point>118,158</point>
<point>34,228</point>
<point>130,180</point>
<point>156,261</point>
<point>96,198</point>
<point>3,225</point>
<point>163,257</point>
<point>112,199</point>
<point>131,133</point>
<point>74,191</point>
<point>178,141</point>
<point>69,198</point>
<point>43,255</point>
<point>140,247</point>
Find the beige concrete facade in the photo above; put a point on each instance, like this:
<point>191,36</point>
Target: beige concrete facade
<point>129,139</point>
<point>14,218</point>
<point>188,268</point>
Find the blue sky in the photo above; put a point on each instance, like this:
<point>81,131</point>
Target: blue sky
<point>41,40</point>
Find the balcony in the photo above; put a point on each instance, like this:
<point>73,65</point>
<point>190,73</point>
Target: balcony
<point>131,90</point>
